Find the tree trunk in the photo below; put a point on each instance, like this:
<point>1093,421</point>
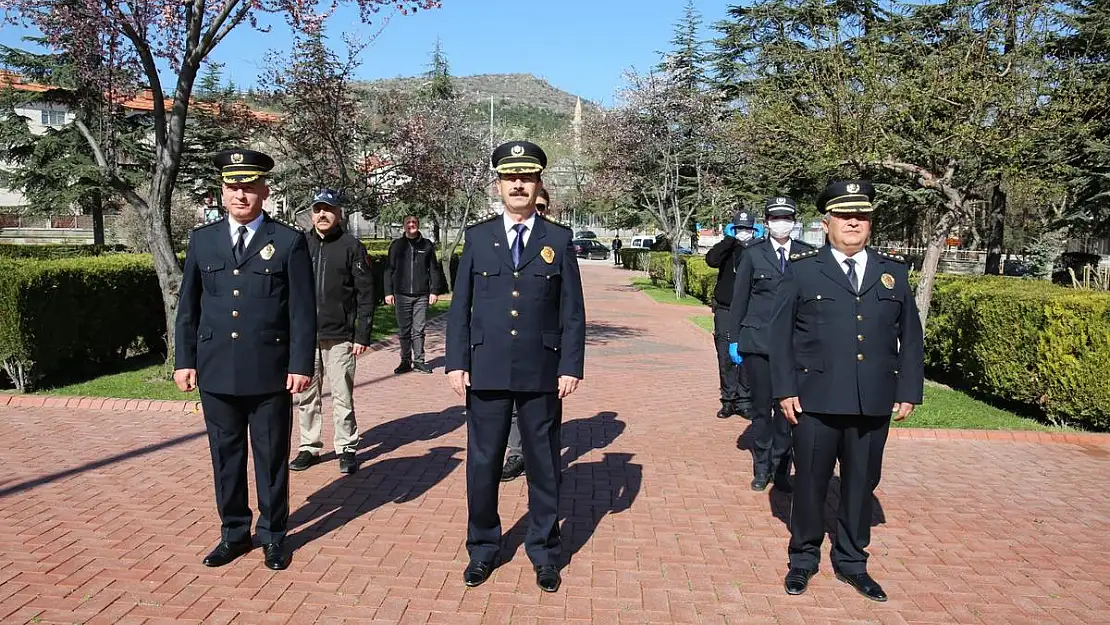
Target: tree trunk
<point>677,270</point>
<point>998,230</point>
<point>929,266</point>
<point>168,271</point>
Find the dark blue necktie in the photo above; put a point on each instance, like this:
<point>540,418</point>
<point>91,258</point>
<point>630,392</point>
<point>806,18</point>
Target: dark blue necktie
<point>851,262</point>
<point>782,259</point>
<point>518,243</point>
<point>240,244</point>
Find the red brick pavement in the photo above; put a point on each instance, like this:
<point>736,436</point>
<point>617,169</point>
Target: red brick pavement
<point>106,513</point>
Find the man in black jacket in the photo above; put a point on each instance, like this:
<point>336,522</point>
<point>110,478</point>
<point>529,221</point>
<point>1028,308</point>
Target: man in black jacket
<point>345,312</point>
<point>724,256</point>
<point>413,278</point>
<point>753,300</point>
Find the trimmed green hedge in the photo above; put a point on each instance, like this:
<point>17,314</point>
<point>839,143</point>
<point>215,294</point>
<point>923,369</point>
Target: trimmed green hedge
<point>1025,341</point>
<point>54,251</point>
<point>75,314</point>
<point>700,277</point>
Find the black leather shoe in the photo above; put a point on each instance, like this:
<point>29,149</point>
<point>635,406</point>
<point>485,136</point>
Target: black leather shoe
<point>863,583</point>
<point>276,556</point>
<point>760,481</point>
<point>347,462</point>
<point>421,367</point>
<point>547,577</point>
<point>404,367</point>
<point>226,552</point>
<point>513,468</point>
<point>303,460</point>
<point>727,410</point>
<point>743,410</point>
<point>797,580</point>
<point>477,572</point>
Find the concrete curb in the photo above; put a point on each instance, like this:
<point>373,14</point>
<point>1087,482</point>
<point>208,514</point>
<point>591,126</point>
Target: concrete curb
<point>16,400</point>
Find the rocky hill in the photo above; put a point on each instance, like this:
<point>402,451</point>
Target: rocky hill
<point>515,95</point>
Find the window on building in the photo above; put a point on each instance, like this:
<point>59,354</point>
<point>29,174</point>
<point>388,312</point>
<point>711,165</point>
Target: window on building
<point>53,118</point>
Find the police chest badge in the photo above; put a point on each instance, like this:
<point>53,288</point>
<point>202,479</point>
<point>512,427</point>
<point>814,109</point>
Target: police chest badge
<point>887,280</point>
<point>548,254</point>
<point>267,252</point>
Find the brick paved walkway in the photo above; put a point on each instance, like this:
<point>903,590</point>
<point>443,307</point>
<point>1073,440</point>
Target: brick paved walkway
<point>106,514</point>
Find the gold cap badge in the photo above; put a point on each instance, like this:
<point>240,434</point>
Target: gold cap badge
<point>267,252</point>
<point>852,187</point>
<point>548,254</point>
<point>888,280</point>
<point>237,158</point>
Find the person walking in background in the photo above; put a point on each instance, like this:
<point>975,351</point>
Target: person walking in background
<point>345,306</point>
<point>412,281</point>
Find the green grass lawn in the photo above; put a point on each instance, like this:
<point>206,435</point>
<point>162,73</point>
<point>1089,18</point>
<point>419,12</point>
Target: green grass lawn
<point>664,295</point>
<point>944,407</point>
<point>145,378</point>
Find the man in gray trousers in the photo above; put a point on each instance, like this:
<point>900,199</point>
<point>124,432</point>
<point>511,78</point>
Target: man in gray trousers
<point>412,280</point>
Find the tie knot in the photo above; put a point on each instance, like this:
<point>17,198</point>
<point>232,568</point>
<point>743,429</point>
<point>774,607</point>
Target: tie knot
<point>851,262</point>
<point>242,230</point>
<point>520,228</point>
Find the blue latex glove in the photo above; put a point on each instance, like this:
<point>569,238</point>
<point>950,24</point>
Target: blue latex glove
<point>734,353</point>
<point>730,230</point>
<point>759,231</point>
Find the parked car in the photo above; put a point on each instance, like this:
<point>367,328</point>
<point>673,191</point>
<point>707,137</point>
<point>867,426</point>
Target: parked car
<point>641,243</point>
<point>590,248</point>
<point>585,234</point>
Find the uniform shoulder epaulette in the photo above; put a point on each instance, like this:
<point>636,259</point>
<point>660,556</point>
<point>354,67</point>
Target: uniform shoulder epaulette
<point>801,255</point>
<point>205,224</point>
<point>555,222</point>
<point>482,220</point>
<point>287,224</point>
<point>891,256</point>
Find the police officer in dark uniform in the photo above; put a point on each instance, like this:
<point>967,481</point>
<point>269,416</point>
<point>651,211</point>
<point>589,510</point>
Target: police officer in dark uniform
<point>753,300</point>
<point>516,337</point>
<point>724,257</point>
<point>246,331</point>
<point>846,353</point>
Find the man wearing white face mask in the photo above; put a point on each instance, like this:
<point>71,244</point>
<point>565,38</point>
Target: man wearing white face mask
<point>757,280</point>
<point>724,256</point>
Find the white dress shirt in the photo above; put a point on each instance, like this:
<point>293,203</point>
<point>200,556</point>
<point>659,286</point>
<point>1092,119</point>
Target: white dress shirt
<point>252,227</point>
<point>510,234</point>
<point>861,263</point>
<point>776,246</point>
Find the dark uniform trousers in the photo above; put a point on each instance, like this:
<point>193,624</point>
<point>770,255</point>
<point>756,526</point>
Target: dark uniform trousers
<point>753,301</point>
<point>732,379</point>
<point>244,325</point>
<point>848,357</point>
<point>515,328</point>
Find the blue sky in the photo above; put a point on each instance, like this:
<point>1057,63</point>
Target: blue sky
<point>581,46</point>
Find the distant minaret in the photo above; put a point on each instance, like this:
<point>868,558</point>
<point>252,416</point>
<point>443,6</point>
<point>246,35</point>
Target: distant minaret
<point>578,126</point>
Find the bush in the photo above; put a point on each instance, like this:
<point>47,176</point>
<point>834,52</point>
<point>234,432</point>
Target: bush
<point>51,251</point>
<point>701,279</point>
<point>635,259</point>
<point>1024,341</point>
<point>76,314</point>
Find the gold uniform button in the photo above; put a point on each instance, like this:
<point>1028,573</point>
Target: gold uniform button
<point>516,293</point>
<point>234,335</point>
<point>858,299</point>
<point>234,272</point>
<point>513,332</point>
<point>267,270</point>
<point>235,293</point>
<point>895,372</point>
<point>235,313</point>
<point>859,337</point>
<point>485,273</point>
<point>818,297</point>
<point>516,274</point>
<point>859,317</point>
<point>513,313</point>
<point>859,357</point>
<point>277,340</point>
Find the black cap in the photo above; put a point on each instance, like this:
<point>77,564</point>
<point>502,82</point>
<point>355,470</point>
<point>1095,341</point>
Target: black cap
<point>743,219</point>
<point>847,196</point>
<point>516,157</point>
<point>780,206</point>
<point>326,196</point>
<point>242,165</point>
